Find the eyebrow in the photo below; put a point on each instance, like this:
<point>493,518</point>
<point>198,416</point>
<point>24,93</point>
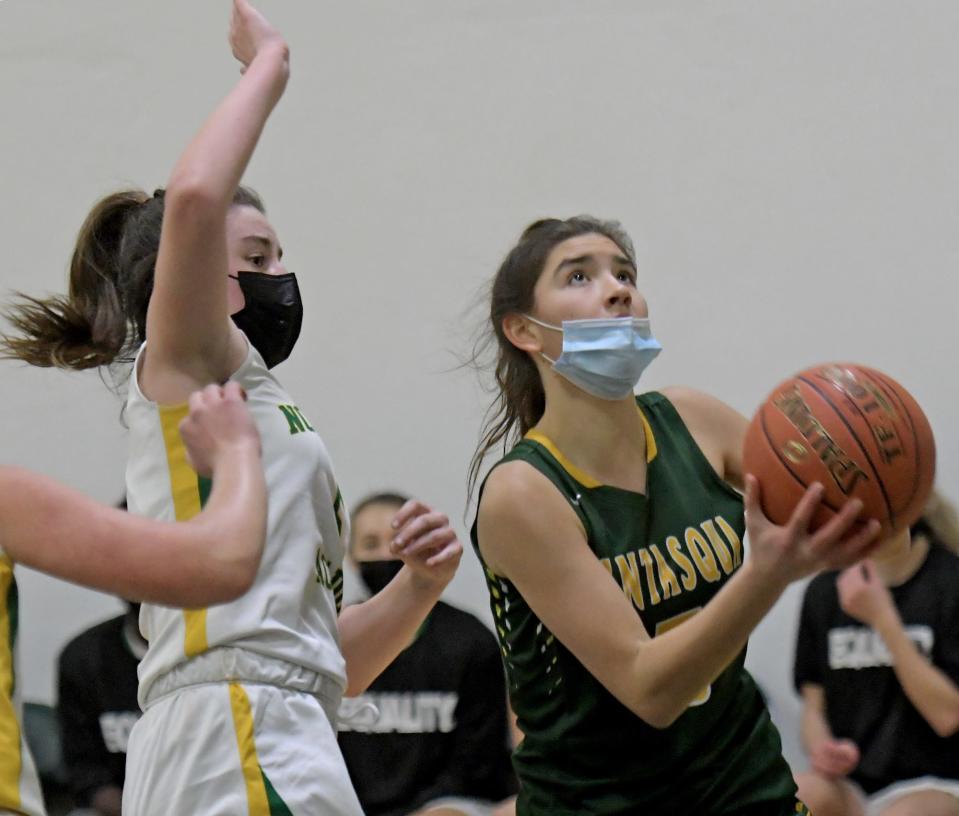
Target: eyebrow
<point>581,259</point>
<point>265,242</point>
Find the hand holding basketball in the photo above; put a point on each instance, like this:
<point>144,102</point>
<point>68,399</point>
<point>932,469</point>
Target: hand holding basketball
<point>852,429</point>
<point>792,550</point>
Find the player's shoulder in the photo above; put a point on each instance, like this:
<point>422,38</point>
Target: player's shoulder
<point>944,564</point>
<point>86,644</point>
<point>513,487</point>
<point>693,404</point>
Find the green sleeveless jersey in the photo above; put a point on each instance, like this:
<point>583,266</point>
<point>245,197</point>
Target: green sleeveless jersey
<point>670,550</point>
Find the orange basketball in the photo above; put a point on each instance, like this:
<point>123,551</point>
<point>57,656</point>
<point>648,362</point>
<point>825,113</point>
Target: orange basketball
<point>855,430</point>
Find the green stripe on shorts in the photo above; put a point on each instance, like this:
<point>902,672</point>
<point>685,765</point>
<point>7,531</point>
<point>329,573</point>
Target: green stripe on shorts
<point>277,806</point>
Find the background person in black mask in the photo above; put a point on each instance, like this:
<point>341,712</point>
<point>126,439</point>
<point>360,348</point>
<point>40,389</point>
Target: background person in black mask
<point>439,744</point>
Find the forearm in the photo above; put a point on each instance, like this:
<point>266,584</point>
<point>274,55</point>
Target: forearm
<point>374,632</point>
<point>813,729</point>
<point>225,542</point>
<point>212,165</point>
<point>933,694</point>
<point>57,530</point>
<point>672,669</point>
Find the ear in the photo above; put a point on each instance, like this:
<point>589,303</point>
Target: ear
<point>522,333</point>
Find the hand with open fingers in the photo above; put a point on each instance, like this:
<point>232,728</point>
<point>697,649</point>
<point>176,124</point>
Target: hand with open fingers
<point>218,420</point>
<point>834,758</point>
<point>862,593</point>
<point>252,34</point>
<point>793,551</point>
<point>426,543</point>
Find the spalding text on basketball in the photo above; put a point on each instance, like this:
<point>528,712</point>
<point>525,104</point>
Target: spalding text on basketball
<point>844,471</point>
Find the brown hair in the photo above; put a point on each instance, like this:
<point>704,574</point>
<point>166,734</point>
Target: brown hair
<point>939,523</point>
<point>519,399</point>
<point>102,318</point>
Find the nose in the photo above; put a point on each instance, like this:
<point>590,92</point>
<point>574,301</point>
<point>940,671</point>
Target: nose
<point>618,295</point>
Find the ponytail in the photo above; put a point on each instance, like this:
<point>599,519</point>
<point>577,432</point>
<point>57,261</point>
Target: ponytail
<point>103,318</point>
<point>89,327</point>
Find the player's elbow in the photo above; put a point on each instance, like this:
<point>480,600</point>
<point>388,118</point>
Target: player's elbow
<point>239,572</point>
<point>660,716</point>
<point>190,196</point>
<point>222,584</point>
<point>947,723</point>
<point>658,708</point>
<point>227,564</point>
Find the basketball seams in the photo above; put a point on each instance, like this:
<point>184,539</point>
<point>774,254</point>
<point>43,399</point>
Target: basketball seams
<point>891,514</point>
<point>893,396</point>
<point>890,392</point>
<point>776,452</point>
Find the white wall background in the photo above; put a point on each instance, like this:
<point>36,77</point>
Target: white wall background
<point>788,170</point>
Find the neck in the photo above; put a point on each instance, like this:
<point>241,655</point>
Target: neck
<point>605,438</point>
<point>903,560</point>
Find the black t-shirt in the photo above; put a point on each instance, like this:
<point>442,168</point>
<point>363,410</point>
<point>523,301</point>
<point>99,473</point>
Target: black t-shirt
<point>864,700</point>
<point>97,707</point>
<point>442,729</point>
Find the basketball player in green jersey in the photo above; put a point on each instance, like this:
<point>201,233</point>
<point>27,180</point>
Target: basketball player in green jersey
<point>612,541</point>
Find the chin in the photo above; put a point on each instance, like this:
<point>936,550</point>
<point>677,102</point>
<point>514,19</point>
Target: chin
<point>893,547</point>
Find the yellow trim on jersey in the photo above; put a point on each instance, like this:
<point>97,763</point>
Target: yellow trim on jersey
<point>579,475</point>
<point>252,775</point>
<point>651,449</point>
<point>582,476</point>
<point>185,491</point>
<point>12,762</point>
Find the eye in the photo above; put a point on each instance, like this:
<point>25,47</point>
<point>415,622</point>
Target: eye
<point>257,260</point>
<point>626,275</point>
<point>577,276</point>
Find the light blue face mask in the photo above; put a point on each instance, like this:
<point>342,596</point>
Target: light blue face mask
<point>604,356</point>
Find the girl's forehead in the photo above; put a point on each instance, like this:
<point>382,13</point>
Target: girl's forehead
<point>590,243</point>
<point>243,220</point>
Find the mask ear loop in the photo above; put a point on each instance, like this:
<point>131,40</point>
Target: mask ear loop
<point>542,354</point>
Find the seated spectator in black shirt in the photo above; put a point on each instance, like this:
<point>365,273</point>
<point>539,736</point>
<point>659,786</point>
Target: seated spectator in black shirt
<point>438,742</point>
<point>97,708</point>
<point>877,665</point>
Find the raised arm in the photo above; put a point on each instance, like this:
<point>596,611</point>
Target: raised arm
<point>209,559</point>
<point>528,534</point>
<point>191,339</point>
<point>374,632</point>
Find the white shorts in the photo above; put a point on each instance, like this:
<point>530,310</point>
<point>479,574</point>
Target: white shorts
<point>881,799</point>
<point>19,782</point>
<point>218,747</point>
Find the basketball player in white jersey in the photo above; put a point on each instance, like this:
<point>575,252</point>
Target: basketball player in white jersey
<point>239,699</point>
<point>210,559</point>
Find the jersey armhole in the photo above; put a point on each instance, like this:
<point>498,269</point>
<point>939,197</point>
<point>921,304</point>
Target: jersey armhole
<point>704,464</point>
<point>571,502</point>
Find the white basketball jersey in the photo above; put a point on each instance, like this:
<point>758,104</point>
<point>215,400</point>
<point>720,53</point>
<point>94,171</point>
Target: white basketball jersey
<point>290,612</point>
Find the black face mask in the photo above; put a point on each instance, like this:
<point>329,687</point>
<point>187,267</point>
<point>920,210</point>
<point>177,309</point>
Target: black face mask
<point>377,574</point>
<point>273,314</point>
